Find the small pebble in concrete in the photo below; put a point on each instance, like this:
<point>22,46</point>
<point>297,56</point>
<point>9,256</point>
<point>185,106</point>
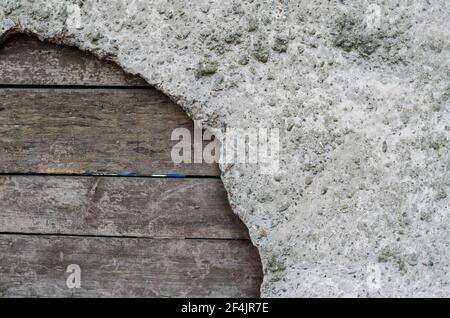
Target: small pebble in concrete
<point>206,68</point>
<point>384,146</point>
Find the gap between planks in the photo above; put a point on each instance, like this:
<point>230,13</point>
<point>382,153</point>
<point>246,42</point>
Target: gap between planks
<point>124,237</point>
<point>119,175</point>
<point>43,86</point>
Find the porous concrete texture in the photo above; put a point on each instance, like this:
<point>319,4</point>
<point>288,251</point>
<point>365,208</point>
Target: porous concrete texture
<point>361,92</point>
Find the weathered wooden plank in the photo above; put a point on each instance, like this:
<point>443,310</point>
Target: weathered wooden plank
<point>141,207</point>
<point>96,130</point>
<point>35,266</point>
<point>26,60</point>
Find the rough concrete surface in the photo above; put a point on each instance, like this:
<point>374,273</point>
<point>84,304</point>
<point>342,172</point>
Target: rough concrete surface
<point>361,90</point>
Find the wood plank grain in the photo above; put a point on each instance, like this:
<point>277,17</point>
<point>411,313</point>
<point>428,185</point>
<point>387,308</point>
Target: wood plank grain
<point>28,61</point>
<point>69,131</point>
<point>35,266</point>
<point>141,207</point>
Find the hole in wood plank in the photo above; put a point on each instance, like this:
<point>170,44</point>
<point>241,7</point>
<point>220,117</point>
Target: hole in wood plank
<point>137,233</point>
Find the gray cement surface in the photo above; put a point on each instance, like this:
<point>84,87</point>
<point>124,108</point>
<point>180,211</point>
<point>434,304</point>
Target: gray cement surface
<point>361,90</point>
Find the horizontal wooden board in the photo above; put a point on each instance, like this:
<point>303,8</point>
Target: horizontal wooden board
<point>142,207</point>
<point>26,60</point>
<point>111,131</point>
<point>35,266</point>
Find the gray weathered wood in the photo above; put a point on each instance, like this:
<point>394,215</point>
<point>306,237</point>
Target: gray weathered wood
<point>26,60</point>
<point>94,130</point>
<point>35,266</point>
<point>77,131</point>
<point>141,207</point>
